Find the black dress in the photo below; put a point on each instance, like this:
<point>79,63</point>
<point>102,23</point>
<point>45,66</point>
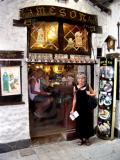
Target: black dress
<point>84,122</point>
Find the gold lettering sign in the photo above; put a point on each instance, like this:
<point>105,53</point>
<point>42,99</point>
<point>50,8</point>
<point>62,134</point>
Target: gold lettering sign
<point>62,12</point>
<point>110,62</point>
<point>106,62</point>
<point>82,17</point>
<point>52,11</point>
<point>36,11</point>
<point>28,22</point>
<point>103,62</point>
<point>73,14</point>
<point>40,11</point>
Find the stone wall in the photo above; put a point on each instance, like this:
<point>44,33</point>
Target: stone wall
<point>14,120</point>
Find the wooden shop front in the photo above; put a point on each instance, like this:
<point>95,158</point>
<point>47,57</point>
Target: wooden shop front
<point>59,43</point>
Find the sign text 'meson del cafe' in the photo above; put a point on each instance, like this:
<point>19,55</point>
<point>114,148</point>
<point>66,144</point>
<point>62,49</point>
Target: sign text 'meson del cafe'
<point>44,11</point>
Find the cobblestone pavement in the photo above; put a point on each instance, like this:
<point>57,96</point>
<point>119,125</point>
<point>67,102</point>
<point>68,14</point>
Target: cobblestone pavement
<point>68,150</point>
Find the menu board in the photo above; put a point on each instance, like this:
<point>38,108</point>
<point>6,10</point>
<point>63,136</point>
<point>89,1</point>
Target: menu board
<point>106,98</point>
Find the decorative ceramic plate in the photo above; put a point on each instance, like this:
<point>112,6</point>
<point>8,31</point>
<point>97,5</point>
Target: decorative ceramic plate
<point>108,87</point>
<point>109,72</point>
<point>108,100</point>
<point>104,127</point>
<point>102,84</point>
<point>104,114</point>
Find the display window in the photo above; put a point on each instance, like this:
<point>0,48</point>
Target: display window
<point>75,38</point>
<point>50,112</point>
<point>44,35</point>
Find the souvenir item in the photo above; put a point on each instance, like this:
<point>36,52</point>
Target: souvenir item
<point>74,115</point>
<point>107,98</point>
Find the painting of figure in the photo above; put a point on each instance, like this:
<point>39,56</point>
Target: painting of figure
<point>10,80</point>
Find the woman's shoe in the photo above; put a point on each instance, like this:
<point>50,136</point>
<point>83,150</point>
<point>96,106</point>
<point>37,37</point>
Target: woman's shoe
<point>87,142</point>
<point>81,142</point>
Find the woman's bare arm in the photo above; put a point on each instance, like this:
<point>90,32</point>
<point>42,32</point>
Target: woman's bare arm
<point>91,92</point>
<point>74,101</point>
<point>32,87</point>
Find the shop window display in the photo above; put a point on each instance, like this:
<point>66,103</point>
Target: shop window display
<point>44,35</point>
<point>75,38</point>
<point>60,80</point>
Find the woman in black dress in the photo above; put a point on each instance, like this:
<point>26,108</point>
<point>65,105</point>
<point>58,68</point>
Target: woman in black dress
<point>84,122</point>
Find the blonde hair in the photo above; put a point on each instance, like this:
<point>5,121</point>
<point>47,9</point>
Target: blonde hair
<point>81,74</point>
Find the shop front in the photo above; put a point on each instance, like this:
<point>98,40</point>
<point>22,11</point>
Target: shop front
<point>58,44</point>
<point>53,118</point>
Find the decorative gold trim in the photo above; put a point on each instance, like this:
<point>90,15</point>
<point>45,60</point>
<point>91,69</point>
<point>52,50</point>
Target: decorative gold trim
<point>114,99</point>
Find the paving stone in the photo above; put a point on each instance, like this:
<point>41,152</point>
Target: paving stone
<point>31,157</point>
<point>68,150</point>
<point>27,152</point>
<point>13,155</point>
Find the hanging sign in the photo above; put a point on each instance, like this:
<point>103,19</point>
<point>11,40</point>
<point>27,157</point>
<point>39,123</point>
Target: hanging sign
<point>29,15</point>
<point>43,11</point>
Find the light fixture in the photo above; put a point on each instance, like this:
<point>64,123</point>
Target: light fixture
<point>47,68</point>
<point>58,69</point>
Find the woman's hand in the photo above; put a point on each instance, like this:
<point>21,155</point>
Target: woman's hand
<point>88,93</point>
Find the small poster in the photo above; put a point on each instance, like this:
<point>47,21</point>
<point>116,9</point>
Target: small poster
<point>10,81</point>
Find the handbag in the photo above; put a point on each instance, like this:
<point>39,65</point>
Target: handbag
<point>92,102</point>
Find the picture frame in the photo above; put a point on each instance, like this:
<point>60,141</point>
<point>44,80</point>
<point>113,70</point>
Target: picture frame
<point>56,38</point>
<point>75,39</point>
<point>43,36</point>
<point>10,80</point>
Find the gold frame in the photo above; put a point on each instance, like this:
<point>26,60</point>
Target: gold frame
<point>114,100</point>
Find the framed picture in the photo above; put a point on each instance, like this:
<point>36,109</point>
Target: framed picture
<point>10,80</point>
<point>75,38</point>
<point>43,36</point>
